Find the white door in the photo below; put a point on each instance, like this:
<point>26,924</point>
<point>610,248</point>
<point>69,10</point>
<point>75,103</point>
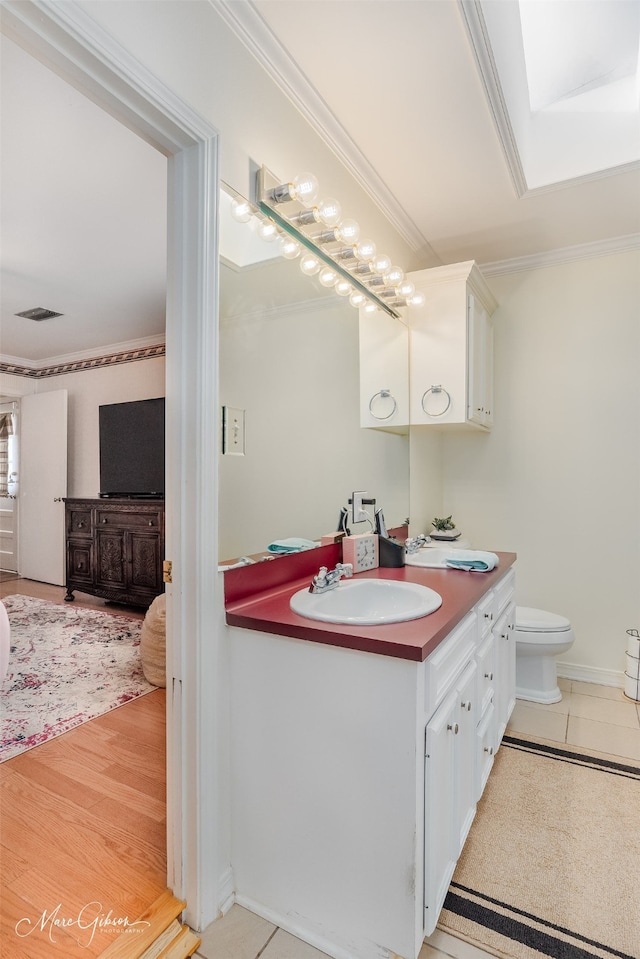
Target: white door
<point>43,484</point>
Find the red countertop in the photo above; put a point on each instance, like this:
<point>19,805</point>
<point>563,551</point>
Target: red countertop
<point>258,598</point>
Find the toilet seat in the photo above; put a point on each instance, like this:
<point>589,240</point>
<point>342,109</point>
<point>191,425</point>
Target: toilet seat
<point>539,621</point>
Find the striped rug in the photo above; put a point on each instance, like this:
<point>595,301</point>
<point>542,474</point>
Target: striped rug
<point>551,866</point>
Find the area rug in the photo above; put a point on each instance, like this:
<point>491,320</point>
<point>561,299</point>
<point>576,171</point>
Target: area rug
<point>67,665</point>
<point>551,866</point>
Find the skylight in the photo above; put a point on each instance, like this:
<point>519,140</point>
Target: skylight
<point>569,80</point>
<point>581,56</point>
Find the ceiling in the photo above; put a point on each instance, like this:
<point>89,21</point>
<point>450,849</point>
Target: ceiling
<point>416,98</point>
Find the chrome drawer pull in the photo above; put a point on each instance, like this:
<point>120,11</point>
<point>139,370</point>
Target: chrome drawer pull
<point>455,728</point>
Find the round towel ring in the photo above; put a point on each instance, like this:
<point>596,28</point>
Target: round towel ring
<point>381,396</point>
<point>437,392</point>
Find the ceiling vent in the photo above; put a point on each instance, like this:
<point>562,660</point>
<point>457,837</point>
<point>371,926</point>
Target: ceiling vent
<point>39,313</point>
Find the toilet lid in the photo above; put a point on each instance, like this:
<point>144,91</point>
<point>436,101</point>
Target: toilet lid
<point>539,620</point>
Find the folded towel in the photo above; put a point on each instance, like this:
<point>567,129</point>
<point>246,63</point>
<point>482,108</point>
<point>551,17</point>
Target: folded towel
<point>291,545</point>
<point>472,559</point>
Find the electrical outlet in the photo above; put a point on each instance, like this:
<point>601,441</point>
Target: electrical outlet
<point>359,512</point>
<point>232,431</point>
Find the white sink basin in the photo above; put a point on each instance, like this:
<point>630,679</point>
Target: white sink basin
<point>367,602</point>
<point>432,556</point>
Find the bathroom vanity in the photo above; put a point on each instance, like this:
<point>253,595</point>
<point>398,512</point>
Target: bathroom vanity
<point>359,754</point>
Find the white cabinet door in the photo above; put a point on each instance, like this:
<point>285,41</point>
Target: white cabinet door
<point>440,854</point>
<point>451,348</point>
<point>505,662</point>
<point>480,372</point>
<point>384,372</point>
<point>450,788</point>
<point>464,808</point>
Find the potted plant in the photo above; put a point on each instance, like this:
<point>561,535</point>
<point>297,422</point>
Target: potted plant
<point>444,528</point>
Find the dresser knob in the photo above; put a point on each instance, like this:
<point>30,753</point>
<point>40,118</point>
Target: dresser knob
<point>454,727</point>
<point>488,675</point>
<point>489,749</point>
<point>466,705</point>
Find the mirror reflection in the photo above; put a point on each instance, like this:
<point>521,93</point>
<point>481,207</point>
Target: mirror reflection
<point>289,358</point>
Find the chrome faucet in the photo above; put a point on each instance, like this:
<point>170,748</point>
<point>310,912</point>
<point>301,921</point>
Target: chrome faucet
<point>327,579</point>
<point>414,544</point>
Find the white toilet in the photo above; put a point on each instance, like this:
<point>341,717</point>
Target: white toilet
<point>540,636</point>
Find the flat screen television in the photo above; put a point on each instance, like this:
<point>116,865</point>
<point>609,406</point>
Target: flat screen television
<point>132,449</point>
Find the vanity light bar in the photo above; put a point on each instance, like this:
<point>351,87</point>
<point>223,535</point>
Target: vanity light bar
<point>349,260</point>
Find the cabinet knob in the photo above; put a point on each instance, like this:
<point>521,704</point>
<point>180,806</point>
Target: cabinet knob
<point>150,522</point>
<point>80,525</point>
<point>488,675</point>
<point>466,705</point>
<point>488,615</point>
<point>489,749</point>
<point>454,727</point>
<point>104,519</point>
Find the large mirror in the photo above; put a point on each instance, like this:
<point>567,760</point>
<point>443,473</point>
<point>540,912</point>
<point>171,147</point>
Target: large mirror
<point>289,359</point>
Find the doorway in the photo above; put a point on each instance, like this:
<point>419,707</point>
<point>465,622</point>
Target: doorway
<point>70,42</point>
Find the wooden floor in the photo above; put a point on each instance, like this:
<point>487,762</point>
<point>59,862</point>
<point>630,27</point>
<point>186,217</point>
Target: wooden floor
<point>82,825</point>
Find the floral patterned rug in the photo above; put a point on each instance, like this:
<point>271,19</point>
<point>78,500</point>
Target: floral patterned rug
<point>67,665</point>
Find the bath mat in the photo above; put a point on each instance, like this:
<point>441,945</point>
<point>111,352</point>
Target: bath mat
<point>67,665</point>
<point>551,866</point>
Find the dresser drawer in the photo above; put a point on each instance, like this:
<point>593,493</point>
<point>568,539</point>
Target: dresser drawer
<point>122,519</point>
<point>78,522</point>
<point>446,663</point>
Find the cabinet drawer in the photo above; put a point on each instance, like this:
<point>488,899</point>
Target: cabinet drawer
<point>445,664</point>
<point>79,522</point>
<point>504,591</point>
<point>80,561</point>
<point>125,520</point>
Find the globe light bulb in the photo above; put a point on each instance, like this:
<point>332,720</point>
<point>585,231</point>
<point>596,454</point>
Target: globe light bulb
<point>328,211</point>
<point>310,264</point>
<point>304,188</point>
<point>348,231</point>
<point>370,307</point>
<point>417,299</point>
<point>365,250</point>
<point>289,248</point>
<point>240,210</point>
<point>393,276</point>
<point>343,288</point>
<point>406,289</point>
<point>328,276</point>
<point>380,263</point>
<point>357,298</point>
<point>267,230</point>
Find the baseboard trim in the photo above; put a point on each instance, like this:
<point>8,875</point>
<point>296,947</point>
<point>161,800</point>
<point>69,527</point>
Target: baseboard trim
<point>226,891</point>
<point>589,674</point>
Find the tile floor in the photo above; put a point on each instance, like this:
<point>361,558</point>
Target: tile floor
<point>591,716</point>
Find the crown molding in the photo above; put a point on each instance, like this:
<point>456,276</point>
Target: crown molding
<point>141,349</point>
<point>568,254</point>
<point>253,31</point>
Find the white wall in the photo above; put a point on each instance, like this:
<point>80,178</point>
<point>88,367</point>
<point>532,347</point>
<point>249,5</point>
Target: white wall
<point>87,390</point>
<point>558,479</point>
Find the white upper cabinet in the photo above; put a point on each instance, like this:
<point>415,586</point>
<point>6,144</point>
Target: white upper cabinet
<point>451,348</point>
<point>384,372</point>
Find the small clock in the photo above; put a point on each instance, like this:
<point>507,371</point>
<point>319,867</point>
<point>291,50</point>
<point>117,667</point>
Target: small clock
<point>361,550</point>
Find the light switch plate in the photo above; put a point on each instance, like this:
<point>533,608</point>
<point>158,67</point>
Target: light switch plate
<point>232,431</point>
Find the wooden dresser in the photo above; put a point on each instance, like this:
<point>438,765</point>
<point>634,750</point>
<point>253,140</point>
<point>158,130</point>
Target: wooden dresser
<point>115,549</point>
